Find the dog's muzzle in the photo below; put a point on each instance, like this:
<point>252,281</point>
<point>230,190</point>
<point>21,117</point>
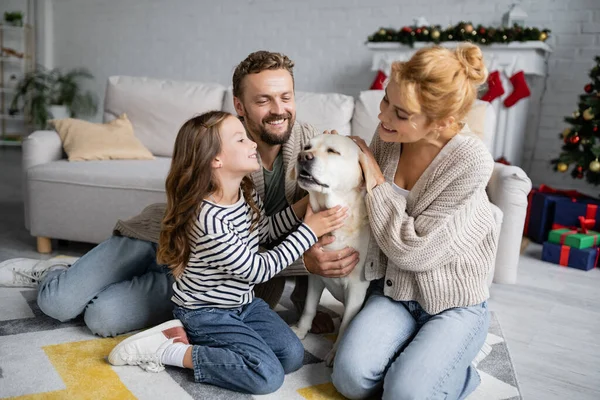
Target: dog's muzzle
<point>305,160</point>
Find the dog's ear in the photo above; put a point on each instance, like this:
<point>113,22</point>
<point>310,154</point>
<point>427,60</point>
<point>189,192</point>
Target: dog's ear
<point>293,175</point>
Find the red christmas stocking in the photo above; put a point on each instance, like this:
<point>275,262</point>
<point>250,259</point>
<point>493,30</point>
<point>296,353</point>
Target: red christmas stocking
<point>495,88</point>
<point>520,89</point>
<point>379,81</point>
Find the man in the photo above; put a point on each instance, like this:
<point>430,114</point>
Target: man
<point>118,285</point>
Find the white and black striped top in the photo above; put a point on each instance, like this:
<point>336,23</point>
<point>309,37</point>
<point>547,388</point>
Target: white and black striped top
<point>224,261</point>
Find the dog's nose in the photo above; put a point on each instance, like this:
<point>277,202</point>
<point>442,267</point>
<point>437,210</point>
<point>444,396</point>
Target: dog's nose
<point>305,156</point>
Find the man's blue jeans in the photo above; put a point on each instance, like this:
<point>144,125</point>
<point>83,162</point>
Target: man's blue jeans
<point>248,349</point>
<point>118,286</point>
<point>396,346</point>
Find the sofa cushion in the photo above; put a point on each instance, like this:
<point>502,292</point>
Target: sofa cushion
<point>325,111</point>
<point>158,108</point>
<point>83,140</point>
<point>148,175</point>
<point>366,110</point>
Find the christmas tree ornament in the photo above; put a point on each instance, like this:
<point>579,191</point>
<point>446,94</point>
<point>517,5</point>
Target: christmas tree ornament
<point>574,139</point>
<point>495,88</point>
<point>435,34</point>
<point>579,169</point>
<point>588,88</point>
<point>562,167</point>
<point>520,89</point>
<point>595,166</point>
<point>586,142</point>
<point>566,132</point>
<point>468,28</point>
<point>543,36</point>
<point>595,128</point>
<point>576,114</point>
<point>588,115</point>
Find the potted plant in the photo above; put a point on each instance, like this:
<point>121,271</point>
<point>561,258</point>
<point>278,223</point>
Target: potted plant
<point>47,94</point>
<point>14,18</point>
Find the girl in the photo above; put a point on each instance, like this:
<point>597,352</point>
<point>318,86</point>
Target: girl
<point>213,225</point>
<point>436,228</point>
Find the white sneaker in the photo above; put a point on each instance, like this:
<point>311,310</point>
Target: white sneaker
<point>146,348</point>
<point>483,353</point>
<point>28,272</point>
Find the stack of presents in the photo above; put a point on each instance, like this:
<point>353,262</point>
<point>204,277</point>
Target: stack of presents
<point>567,223</point>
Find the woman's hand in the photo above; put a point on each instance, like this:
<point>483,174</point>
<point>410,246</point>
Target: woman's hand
<point>325,221</point>
<point>371,170</point>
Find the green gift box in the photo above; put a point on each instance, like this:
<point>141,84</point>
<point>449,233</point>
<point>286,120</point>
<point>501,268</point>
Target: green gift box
<point>574,238</point>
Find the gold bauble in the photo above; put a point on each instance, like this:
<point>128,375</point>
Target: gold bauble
<point>576,114</point>
<point>435,34</point>
<point>588,115</point>
<point>382,31</point>
<point>543,36</point>
<point>595,166</point>
<point>425,32</point>
<point>468,28</point>
<point>566,132</point>
<point>562,167</point>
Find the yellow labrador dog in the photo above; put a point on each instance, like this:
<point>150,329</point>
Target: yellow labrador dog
<point>329,169</point>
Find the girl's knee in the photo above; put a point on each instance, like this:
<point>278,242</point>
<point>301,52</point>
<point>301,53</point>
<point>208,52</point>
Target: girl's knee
<point>268,381</point>
<point>292,358</point>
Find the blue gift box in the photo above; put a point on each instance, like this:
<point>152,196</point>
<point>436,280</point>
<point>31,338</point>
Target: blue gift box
<point>584,259</point>
<point>542,208</point>
<point>567,213</point>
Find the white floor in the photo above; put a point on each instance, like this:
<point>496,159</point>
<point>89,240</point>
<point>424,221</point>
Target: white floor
<point>550,318</point>
<point>551,322</point>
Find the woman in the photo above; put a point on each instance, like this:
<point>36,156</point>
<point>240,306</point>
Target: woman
<point>426,315</point>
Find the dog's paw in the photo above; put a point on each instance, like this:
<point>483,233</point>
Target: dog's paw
<point>330,357</point>
<point>300,332</point>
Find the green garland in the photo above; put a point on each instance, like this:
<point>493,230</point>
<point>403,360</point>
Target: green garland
<point>463,31</point>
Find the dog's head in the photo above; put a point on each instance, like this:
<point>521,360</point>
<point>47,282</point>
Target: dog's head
<point>330,163</point>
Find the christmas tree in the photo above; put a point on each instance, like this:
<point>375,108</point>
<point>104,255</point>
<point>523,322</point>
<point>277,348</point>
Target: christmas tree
<point>581,147</point>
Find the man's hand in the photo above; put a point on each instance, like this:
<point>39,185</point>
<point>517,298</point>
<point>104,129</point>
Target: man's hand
<point>330,264</point>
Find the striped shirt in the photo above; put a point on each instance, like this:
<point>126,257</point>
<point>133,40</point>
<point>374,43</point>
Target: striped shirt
<point>224,262</point>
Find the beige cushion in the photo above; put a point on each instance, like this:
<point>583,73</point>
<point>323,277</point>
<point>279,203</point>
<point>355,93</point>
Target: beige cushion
<point>83,140</point>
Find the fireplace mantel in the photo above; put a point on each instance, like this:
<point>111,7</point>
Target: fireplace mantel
<point>529,57</point>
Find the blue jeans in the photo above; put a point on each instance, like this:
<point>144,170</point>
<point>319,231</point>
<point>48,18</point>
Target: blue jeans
<point>396,346</point>
<point>248,349</point>
<point>118,286</point>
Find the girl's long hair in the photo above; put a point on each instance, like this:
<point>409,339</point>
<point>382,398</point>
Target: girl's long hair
<point>191,179</point>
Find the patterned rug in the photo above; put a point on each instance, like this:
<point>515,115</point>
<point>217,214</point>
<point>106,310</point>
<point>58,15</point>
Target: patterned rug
<point>41,358</point>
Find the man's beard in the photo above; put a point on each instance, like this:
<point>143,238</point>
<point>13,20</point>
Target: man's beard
<point>267,137</point>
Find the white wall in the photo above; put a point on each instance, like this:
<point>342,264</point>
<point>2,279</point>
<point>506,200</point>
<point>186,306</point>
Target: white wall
<point>203,40</point>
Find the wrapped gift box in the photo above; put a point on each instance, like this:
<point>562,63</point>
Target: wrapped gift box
<point>578,239</point>
<point>568,214</point>
<point>541,211</point>
<point>584,259</point>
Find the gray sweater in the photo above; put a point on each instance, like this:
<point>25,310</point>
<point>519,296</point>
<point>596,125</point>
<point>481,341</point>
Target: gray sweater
<point>437,245</point>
